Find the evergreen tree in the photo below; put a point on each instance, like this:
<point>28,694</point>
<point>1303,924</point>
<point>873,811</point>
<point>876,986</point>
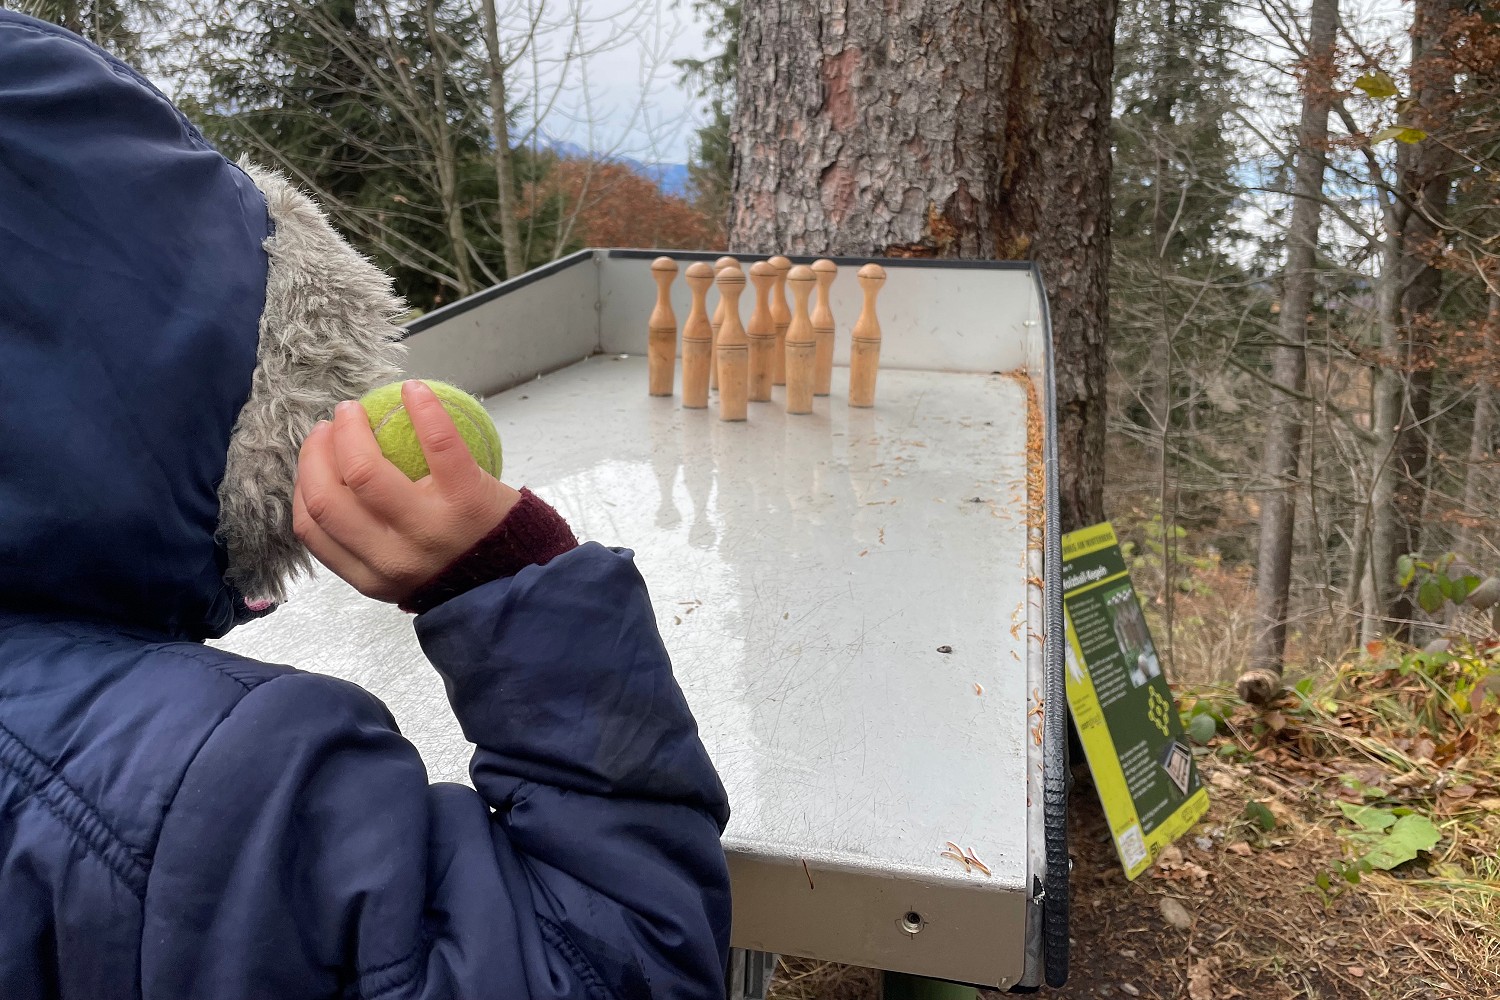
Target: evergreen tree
<point>378,110</point>
<point>1175,92</point>
<point>1179,287</point>
<point>113,25</point>
<point>712,167</point>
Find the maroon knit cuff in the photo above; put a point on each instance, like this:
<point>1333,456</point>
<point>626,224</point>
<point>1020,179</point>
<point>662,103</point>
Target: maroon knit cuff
<point>530,534</point>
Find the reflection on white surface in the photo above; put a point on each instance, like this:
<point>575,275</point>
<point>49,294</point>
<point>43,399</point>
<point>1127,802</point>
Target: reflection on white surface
<point>805,571</point>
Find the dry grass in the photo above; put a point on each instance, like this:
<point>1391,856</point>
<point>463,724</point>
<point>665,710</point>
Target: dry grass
<point>806,979</point>
<point>1215,625</point>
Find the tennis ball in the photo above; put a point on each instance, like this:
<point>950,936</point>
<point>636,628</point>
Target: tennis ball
<point>398,439</point>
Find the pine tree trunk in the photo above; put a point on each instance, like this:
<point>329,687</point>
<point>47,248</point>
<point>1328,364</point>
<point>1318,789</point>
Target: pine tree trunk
<point>1479,478</point>
<point>961,128</point>
<point>1378,584</point>
<point>1278,513</point>
<point>1425,182</point>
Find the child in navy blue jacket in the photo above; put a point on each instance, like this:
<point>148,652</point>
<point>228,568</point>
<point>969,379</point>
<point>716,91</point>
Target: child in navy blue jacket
<point>179,822</point>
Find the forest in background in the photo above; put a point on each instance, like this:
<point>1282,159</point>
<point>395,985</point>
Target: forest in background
<point>1304,297</point>
<point>1309,394</point>
<point>1301,367</point>
<point>406,120</point>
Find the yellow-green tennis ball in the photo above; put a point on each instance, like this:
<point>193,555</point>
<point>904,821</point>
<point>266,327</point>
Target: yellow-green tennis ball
<point>398,439</point>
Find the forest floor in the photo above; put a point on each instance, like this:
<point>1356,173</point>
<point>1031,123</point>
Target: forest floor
<point>1258,900</point>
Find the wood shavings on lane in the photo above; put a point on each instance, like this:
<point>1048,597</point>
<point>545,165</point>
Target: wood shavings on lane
<point>968,859</point>
<point>1036,479</point>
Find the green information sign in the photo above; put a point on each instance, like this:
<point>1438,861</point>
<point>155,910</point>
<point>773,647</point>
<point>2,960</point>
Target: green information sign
<point>1125,713</point>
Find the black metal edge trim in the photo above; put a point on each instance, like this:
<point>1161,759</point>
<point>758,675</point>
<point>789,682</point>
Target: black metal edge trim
<point>917,262</point>
<point>1055,901</point>
<point>463,305</point>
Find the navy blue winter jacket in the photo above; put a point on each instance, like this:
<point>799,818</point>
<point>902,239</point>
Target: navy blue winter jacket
<point>179,823</point>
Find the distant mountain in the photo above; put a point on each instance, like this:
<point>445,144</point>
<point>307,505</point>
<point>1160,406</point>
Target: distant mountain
<point>670,178</point>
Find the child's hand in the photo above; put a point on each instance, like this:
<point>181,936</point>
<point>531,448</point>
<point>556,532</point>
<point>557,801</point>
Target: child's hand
<point>384,534</point>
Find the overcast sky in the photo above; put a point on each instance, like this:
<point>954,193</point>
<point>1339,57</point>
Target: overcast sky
<point>620,92</point>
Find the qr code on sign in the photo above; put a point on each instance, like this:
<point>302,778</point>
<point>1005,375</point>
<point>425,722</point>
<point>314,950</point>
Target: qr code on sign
<point>1132,847</point>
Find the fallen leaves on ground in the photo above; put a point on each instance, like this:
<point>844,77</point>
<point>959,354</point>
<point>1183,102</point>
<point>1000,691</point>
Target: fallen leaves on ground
<point>1234,908</point>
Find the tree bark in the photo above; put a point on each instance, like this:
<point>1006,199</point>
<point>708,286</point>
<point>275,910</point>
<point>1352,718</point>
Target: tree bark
<point>505,193</point>
<point>959,128</point>
<point>1378,586</point>
<point>1425,182</point>
<point>1262,679</point>
<point>1479,479</point>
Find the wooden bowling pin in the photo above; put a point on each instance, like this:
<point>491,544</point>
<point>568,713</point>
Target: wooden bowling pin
<point>717,321</point>
<point>733,348</point>
<point>801,344</point>
<point>864,346</point>
<point>761,331</point>
<point>697,339</point>
<point>781,316</point>
<point>822,323</point>
<point>661,330</point>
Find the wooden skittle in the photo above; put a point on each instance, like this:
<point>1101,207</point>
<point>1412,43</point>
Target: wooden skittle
<point>761,332</point>
<point>661,330</point>
<point>801,344</point>
<point>864,346</point>
<point>717,321</point>
<point>697,339</point>
<point>823,330</point>
<point>781,316</point>
<point>733,349</point>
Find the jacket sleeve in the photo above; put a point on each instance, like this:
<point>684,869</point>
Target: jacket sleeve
<point>306,855</point>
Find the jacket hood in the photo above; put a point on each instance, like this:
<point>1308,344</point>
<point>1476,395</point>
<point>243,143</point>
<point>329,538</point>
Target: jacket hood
<point>171,326</point>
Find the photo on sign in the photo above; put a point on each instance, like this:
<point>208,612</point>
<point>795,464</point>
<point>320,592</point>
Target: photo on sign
<point>1141,662</point>
<point>1177,761</point>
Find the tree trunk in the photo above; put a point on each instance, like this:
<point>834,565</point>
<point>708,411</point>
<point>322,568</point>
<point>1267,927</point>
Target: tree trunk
<point>1425,183</point>
<point>1278,515</point>
<point>445,157</point>
<point>1159,391</point>
<point>1354,586</point>
<point>1479,478</point>
<point>1378,585</point>
<point>967,128</point>
<point>505,193</point>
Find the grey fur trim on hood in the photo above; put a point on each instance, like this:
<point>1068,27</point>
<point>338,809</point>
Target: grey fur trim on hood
<point>328,333</point>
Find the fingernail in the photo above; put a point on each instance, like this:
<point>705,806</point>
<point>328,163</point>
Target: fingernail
<point>346,407</point>
<point>318,428</point>
<point>418,386</point>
